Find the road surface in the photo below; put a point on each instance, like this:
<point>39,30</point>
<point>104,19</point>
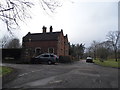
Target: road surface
<point>76,75</point>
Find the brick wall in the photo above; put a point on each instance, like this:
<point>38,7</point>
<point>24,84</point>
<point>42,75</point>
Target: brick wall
<point>66,46</point>
<point>60,49</point>
<point>44,45</point>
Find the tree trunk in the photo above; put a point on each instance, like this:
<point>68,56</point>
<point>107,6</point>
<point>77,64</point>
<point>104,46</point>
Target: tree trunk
<point>95,55</point>
<point>115,54</point>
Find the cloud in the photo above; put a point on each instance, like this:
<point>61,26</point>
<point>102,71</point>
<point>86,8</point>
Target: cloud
<point>82,21</point>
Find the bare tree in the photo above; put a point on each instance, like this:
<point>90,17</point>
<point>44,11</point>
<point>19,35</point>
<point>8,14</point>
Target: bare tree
<point>50,5</point>
<point>103,51</point>
<point>11,11</point>
<point>3,41</point>
<point>89,52</point>
<point>93,47</point>
<point>13,43</point>
<point>14,11</point>
<point>114,37</point>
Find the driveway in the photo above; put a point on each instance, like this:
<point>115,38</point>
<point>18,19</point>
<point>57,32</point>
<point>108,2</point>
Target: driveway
<point>76,75</point>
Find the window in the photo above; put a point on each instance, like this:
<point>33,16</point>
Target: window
<point>50,50</point>
<point>51,55</point>
<point>37,51</point>
<point>45,55</point>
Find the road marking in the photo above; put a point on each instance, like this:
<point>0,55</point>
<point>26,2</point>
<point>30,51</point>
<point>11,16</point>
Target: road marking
<point>29,73</point>
<point>40,82</point>
<point>58,81</point>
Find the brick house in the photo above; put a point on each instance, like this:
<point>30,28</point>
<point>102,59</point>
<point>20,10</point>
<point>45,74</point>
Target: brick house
<point>45,42</point>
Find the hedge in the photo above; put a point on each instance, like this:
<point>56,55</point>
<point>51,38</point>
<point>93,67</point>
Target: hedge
<point>65,59</point>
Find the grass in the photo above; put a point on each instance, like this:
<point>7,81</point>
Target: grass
<point>108,63</point>
<point>5,70</point>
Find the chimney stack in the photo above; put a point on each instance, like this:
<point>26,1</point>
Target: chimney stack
<point>29,33</point>
<point>66,35</point>
<point>51,28</point>
<point>62,30</point>
<point>44,29</point>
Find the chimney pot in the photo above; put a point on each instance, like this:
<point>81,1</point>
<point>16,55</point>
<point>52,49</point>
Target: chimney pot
<point>29,33</point>
<point>61,30</point>
<point>44,29</point>
<point>51,28</point>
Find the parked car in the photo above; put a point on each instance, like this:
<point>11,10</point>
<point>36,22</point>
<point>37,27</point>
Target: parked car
<point>89,59</point>
<point>47,57</point>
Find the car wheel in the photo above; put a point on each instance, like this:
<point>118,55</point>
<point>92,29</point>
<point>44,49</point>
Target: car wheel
<point>49,62</point>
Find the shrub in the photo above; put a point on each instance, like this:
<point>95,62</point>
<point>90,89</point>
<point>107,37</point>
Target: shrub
<point>65,59</point>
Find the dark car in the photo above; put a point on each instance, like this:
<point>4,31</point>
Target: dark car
<point>89,59</point>
<point>47,57</point>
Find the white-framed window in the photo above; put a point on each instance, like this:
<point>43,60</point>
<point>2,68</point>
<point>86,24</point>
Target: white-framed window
<point>50,50</point>
<point>37,50</point>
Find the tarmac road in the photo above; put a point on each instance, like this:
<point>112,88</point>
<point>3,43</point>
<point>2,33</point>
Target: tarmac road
<point>76,75</point>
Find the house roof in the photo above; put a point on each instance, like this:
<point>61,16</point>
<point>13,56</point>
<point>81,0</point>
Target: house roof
<point>48,36</point>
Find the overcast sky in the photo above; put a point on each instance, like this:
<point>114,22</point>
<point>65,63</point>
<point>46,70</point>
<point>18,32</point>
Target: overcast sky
<point>83,20</point>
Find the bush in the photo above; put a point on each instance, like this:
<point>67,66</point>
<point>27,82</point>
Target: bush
<point>65,59</point>
<point>11,53</point>
<point>15,61</point>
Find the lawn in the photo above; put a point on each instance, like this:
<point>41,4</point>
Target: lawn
<point>5,70</point>
<point>108,63</point>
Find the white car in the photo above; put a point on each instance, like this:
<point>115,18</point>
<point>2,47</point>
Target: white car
<point>89,59</point>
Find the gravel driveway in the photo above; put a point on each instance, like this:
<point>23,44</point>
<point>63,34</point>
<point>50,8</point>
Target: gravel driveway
<point>76,75</point>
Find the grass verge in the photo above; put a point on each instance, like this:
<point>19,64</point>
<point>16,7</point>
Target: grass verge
<point>108,63</point>
<point>5,70</point>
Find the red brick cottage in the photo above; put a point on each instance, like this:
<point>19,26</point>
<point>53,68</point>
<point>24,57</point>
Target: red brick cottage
<point>45,42</point>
